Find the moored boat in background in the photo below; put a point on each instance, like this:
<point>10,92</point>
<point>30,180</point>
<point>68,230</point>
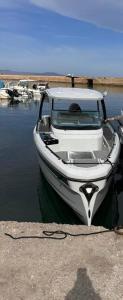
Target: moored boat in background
<point>30,87</point>
<point>4,94</point>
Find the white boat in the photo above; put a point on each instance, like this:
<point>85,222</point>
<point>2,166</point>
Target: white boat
<point>38,89</point>
<point>4,95</point>
<point>78,151</point>
<point>29,87</point>
<point>21,88</point>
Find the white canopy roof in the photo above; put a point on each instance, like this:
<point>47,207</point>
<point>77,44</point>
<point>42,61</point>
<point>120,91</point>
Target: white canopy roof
<point>74,93</point>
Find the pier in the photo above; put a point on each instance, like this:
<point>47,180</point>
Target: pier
<point>105,81</point>
<point>75,268</point>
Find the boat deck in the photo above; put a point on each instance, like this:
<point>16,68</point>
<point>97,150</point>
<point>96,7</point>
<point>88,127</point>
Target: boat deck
<point>78,158</point>
<point>84,159</point>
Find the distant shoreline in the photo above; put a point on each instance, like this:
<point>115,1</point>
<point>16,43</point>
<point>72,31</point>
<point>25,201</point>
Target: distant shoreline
<point>106,81</point>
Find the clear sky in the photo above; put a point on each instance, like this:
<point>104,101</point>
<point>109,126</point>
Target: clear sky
<point>83,37</point>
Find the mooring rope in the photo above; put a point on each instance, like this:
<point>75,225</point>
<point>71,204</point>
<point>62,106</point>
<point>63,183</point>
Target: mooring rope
<point>61,235</point>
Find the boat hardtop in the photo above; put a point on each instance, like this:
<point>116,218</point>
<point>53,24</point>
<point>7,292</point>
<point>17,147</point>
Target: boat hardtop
<point>74,93</point>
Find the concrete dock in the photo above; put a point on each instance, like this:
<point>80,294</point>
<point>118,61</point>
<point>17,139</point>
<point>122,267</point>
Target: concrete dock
<point>75,268</point>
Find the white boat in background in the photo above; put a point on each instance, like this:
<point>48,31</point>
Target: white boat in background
<point>21,89</point>
<point>78,151</point>
<point>42,86</point>
<point>4,95</point>
<point>38,89</point>
<point>30,87</point>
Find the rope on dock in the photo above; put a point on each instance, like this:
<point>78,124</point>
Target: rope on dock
<point>61,235</point>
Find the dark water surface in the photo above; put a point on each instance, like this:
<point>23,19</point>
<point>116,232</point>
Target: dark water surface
<point>24,193</point>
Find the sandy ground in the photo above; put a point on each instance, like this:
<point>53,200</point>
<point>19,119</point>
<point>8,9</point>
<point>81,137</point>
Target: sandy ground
<point>72,269</point>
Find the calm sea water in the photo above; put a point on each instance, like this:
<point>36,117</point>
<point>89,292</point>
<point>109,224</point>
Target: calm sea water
<point>24,193</point>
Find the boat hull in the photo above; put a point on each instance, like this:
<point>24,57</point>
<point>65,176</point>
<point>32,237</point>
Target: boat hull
<point>69,192</point>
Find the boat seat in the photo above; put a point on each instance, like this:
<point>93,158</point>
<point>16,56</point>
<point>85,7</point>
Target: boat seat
<point>72,140</point>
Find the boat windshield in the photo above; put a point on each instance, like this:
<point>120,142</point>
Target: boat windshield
<point>23,83</point>
<point>76,120</point>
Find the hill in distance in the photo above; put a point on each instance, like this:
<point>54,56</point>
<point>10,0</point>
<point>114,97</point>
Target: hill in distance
<point>29,73</point>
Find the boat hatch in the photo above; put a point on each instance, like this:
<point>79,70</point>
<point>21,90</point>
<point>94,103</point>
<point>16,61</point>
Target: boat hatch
<point>76,157</point>
<point>80,155</point>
